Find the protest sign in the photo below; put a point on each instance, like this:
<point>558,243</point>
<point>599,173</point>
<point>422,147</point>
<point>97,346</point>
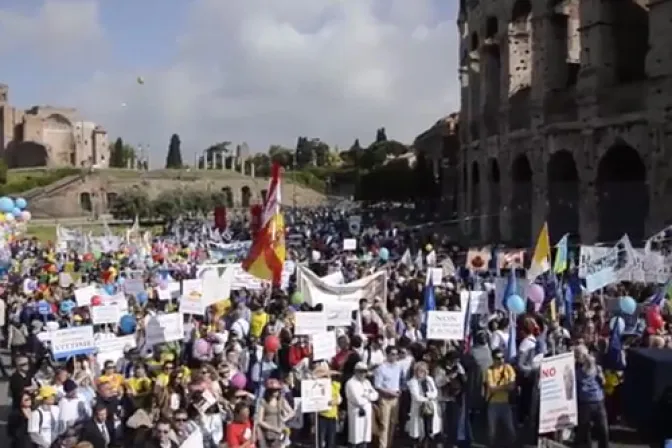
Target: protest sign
<point>445,325</point>
<point>164,328</point>
<point>68,342</point>
<point>557,393</point>
<point>315,395</point>
<point>309,322</point>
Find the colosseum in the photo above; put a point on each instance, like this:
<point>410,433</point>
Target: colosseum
<point>566,117</point>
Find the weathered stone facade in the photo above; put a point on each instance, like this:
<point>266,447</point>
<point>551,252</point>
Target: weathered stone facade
<point>566,117</point>
<point>92,194</point>
<point>49,136</point>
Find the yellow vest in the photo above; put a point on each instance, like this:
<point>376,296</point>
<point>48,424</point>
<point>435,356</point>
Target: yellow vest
<point>335,396</point>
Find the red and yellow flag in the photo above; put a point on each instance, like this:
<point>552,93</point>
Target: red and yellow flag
<point>267,254</point>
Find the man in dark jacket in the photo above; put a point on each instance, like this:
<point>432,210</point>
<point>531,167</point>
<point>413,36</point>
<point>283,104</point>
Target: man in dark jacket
<point>99,430</point>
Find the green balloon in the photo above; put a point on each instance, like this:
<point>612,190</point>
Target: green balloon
<point>297,298</point>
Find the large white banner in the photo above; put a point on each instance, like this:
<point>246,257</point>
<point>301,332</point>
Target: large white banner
<point>316,290</point>
<point>615,266</point>
<point>164,328</point>
<point>243,280</point>
<point>557,393</point>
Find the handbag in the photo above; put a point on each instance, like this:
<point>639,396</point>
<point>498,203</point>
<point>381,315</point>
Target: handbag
<point>426,407</point>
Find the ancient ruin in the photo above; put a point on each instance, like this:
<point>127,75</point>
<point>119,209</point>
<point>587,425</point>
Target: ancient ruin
<point>566,116</point>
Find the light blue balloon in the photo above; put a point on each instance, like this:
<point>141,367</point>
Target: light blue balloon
<point>142,297</point>
<point>16,212</point>
<point>6,204</point>
<point>627,305</point>
<point>21,203</point>
<point>384,254</point>
<point>515,304</point>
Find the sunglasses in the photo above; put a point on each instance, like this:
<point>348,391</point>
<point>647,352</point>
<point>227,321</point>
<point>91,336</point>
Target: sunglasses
<point>180,420</point>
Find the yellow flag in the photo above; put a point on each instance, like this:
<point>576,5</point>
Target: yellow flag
<point>542,255</point>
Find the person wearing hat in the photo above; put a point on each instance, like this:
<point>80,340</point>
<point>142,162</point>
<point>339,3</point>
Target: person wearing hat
<point>72,407</point>
<point>274,413</point>
<point>42,425</point>
<point>359,394</point>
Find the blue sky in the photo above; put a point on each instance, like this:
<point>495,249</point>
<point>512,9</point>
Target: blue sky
<point>258,71</point>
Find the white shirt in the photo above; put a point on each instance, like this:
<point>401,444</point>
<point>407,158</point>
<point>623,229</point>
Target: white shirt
<point>70,412</point>
<point>42,425</point>
<point>241,328</point>
<point>500,340</point>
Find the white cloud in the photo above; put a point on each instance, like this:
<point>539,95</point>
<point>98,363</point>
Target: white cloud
<point>59,32</point>
<point>267,71</point>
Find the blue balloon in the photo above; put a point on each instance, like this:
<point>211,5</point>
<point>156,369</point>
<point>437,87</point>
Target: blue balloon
<point>110,289</point>
<point>384,254</point>
<point>127,324</point>
<point>16,212</point>
<point>121,281</point>
<point>21,203</point>
<point>67,306</point>
<point>43,308</point>
<point>6,204</point>
<point>515,304</point>
<point>142,297</point>
<point>627,305</point>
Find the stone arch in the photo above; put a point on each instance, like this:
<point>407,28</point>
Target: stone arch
<point>630,34</point>
<point>228,197</point>
<point>521,201</point>
<point>563,195</point>
<point>495,200</point>
<point>492,68</point>
<point>622,194</point>
<point>474,41</point>
<point>57,134</point>
<point>520,64</point>
<point>476,211</point>
<point>27,155</point>
<point>85,201</point>
<point>110,198</point>
<point>246,194</point>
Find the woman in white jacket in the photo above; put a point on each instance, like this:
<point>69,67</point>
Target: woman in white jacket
<point>359,394</point>
<point>424,419</point>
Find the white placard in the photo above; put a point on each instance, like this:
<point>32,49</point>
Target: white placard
<point>191,301</point>
<point>587,255</point>
<point>478,301</point>
<point>435,275</point>
<point>105,314</point>
<point>113,343</point>
<point>324,345</point>
<point>338,314</point>
<point>71,341</point>
<point>445,325</point>
<point>84,295</point>
<point>309,322</point>
<point>164,328</point>
<point>118,300</point>
<point>315,395</point>
<point>557,393</point>
<point>195,440</point>
<point>349,244</point>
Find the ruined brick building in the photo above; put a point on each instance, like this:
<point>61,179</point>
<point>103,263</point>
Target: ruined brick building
<point>566,116</point>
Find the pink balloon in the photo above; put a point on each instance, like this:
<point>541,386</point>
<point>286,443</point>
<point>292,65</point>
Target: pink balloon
<point>238,381</point>
<point>25,216</point>
<point>201,347</point>
<point>535,293</point>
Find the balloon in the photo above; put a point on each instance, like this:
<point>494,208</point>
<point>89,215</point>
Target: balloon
<point>110,289</point>
<point>142,297</point>
<point>127,324</point>
<point>654,319</point>
<point>6,204</point>
<point>87,258</point>
<point>201,347</point>
<point>238,381</point>
<point>627,305</point>
<point>271,343</point>
<point>25,216</point>
<point>96,301</point>
<point>384,254</point>
<point>20,203</point>
<point>535,293</point>
<point>515,304</point>
<point>9,217</point>
<point>16,212</point>
<point>617,321</point>
<point>297,298</point>
<point>66,306</point>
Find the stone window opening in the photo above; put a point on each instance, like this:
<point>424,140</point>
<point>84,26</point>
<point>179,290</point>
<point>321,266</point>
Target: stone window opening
<point>520,64</point>
<point>246,196</point>
<point>630,35</point>
<point>564,44</point>
<point>474,83</point>
<point>85,201</point>
<point>492,63</point>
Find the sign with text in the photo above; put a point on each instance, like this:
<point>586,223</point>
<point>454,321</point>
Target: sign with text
<point>557,393</point>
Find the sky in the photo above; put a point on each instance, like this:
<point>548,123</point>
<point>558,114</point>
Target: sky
<point>256,71</point>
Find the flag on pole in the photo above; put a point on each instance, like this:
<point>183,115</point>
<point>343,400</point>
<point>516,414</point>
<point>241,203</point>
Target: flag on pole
<point>267,254</point>
<point>560,263</point>
<point>542,255</point>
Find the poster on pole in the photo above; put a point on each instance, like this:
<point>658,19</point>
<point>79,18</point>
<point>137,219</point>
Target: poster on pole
<point>557,393</point>
<point>315,395</point>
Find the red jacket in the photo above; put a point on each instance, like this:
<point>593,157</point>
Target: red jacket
<point>297,353</point>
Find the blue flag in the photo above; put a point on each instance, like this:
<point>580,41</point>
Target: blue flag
<point>430,305</point>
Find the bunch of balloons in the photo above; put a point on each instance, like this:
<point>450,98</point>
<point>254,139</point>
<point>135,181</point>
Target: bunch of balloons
<point>14,210</point>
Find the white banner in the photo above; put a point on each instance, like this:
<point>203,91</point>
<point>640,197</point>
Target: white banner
<point>309,322</point>
<point>243,280</point>
<point>557,393</point>
<point>324,345</point>
<point>315,290</point>
<point>164,328</point>
<point>72,341</point>
<point>613,267</point>
<point>105,314</point>
<point>587,255</point>
<point>191,301</point>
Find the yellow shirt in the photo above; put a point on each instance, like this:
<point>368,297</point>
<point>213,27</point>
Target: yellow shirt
<point>115,380</point>
<point>257,323</point>
<point>498,377</point>
<point>140,386</point>
<point>336,398</point>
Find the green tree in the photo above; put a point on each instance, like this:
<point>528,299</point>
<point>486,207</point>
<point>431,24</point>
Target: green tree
<point>167,205</point>
<point>117,154</point>
<point>351,156</point>
<point>262,164</point>
<point>303,156</point>
<point>131,203</point>
<point>214,155</point>
<point>174,157</point>
<point>381,135</point>
<point>281,155</point>
<point>3,172</point>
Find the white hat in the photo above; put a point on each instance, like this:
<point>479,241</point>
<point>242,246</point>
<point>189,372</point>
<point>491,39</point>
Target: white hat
<point>361,366</point>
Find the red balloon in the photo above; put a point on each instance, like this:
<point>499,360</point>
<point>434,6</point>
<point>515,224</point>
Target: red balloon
<point>654,319</point>
<point>271,343</point>
<point>88,257</point>
<point>96,301</point>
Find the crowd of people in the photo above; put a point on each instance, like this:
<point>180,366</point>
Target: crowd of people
<point>234,378</point>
